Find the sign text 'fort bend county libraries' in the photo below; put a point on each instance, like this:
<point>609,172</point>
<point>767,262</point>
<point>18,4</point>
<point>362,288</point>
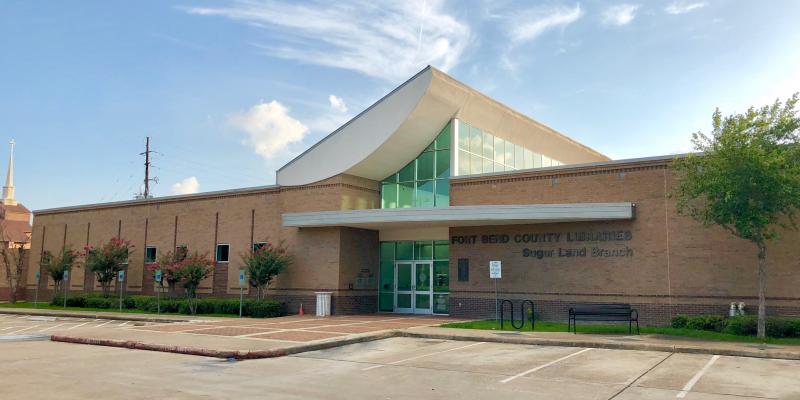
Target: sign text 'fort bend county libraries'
<point>559,244</point>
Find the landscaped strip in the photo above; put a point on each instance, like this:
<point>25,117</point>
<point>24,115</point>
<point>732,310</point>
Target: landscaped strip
<point>548,326</point>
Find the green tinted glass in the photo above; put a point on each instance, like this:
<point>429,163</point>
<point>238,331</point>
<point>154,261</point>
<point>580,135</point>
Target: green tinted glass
<point>405,251</point>
<point>423,301</point>
<point>403,300</point>
<point>423,250</point>
<point>389,195</point>
<point>442,193</point>
<point>424,196</point>
<point>440,304</point>
<point>425,166</point>
<point>407,173</point>
<point>443,163</point>
<point>441,250</point>
<point>391,178</point>
<point>386,301</point>
<point>443,140</point>
<point>387,276</point>
<point>387,251</point>
<point>405,195</point>
<point>441,276</point>
<point>403,276</point>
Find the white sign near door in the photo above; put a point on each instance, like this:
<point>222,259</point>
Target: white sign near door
<point>495,269</point>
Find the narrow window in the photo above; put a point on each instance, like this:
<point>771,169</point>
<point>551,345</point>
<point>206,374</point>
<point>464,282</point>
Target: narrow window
<point>463,269</point>
<point>223,252</point>
<point>150,254</point>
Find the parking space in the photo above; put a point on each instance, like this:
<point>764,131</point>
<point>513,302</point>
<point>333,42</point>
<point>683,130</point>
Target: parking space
<point>287,330</point>
<point>396,368</point>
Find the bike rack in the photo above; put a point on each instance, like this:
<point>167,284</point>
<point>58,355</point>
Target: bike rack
<point>521,310</point>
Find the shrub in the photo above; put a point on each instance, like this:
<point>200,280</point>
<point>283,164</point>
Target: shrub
<point>715,323</point>
<point>679,321</point>
<point>743,325</point>
<point>250,308</point>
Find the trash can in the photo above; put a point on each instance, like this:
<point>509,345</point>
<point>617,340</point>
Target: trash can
<point>323,304</point>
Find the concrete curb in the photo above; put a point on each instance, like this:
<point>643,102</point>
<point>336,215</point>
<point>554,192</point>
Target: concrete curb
<point>225,354</point>
<point>604,345</point>
<point>96,315</point>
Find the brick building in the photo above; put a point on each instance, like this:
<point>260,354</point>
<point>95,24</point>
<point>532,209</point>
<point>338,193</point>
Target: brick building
<point>402,208</point>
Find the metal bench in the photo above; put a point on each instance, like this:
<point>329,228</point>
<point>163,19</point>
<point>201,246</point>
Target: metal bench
<point>603,312</point>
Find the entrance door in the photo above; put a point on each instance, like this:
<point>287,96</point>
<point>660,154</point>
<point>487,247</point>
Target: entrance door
<point>423,290</point>
<point>413,289</point>
<point>403,291</point>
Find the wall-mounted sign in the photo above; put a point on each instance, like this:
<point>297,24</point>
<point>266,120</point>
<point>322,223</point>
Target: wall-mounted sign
<point>495,269</point>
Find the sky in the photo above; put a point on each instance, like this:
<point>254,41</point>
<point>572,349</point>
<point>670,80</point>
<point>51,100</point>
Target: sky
<point>229,91</point>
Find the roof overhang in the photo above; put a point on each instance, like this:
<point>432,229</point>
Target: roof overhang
<point>387,135</point>
<point>462,215</point>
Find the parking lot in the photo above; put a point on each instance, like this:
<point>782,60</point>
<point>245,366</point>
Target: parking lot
<point>396,368</point>
<point>245,333</point>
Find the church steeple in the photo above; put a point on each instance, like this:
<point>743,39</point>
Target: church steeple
<point>8,189</point>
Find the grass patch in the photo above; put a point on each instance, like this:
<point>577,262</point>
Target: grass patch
<point>607,329</point>
<point>47,306</point>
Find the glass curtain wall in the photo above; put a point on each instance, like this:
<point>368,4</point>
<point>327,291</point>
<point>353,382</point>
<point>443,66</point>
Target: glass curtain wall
<point>425,181</point>
<point>422,250</point>
<point>481,152</point>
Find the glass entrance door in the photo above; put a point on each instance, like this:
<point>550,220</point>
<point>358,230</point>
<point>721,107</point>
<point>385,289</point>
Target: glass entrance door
<point>423,290</point>
<point>403,291</point>
<point>413,289</point>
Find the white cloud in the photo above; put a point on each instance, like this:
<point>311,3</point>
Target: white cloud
<point>525,26</point>
<point>680,7</point>
<point>187,186</point>
<point>391,41</point>
<point>269,128</point>
<point>337,103</point>
<point>620,14</point>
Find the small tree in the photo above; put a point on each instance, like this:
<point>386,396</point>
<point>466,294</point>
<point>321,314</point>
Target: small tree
<point>170,265</point>
<point>58,265</point>
<point>195,269</point>
<point>263,265</point>
<point>12,255</point>
<point>747,180</point>
<point>107,260</point>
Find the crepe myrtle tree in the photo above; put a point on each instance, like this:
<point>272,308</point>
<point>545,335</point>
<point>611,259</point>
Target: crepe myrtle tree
<point>747,179</point>
<point>195,268</point>
<point>57,265</point>
<point>264,264</point>
<point>170,265</point>
<point>106,260</point>
<point>13,255</point>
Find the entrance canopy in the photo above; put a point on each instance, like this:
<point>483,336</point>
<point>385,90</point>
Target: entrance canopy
<point>462,215</point>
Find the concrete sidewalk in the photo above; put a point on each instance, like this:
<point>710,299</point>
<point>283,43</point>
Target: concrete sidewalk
<point>623,342</point>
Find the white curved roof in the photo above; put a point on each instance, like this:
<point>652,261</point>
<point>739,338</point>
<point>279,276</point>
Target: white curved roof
<point>397,128</point>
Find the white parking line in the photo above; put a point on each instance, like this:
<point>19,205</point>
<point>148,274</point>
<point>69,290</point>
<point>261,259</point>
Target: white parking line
<point>421,356</point>
<point>123,324</point>
<point>532,370</point>
<point>53,327</point>
<point>10,327</point>
<point>21,330</point>
<point>76,326</point>
<point>689,385</point>
<point>104,323</point>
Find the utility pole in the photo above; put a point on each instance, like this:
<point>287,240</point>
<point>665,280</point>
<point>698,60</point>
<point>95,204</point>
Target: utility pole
<point>147,178</point>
